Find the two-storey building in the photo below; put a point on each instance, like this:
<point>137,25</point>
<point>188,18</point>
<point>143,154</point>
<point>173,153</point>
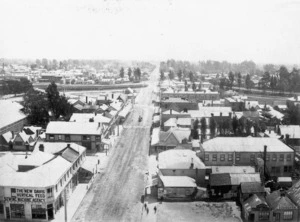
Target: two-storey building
<point>243,151</point>
<point>84,134</point>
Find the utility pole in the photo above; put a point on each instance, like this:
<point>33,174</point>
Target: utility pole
<point>65,197</point>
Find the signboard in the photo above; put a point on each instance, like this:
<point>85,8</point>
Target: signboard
<point>27,195</point>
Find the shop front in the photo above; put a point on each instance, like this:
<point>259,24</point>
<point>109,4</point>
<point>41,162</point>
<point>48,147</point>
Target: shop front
<point>27,204</point>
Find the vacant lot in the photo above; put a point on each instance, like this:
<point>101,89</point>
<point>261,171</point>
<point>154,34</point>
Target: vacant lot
<point>198,211</point>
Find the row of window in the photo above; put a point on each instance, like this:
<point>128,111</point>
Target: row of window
<point>69,172</point>
<point>265,215</point>
<point>68,137</point>
<point>274,157</point>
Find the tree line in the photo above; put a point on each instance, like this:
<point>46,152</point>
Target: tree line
<point>136,73</point>
<point>11,86</point>
<point>210,66</point>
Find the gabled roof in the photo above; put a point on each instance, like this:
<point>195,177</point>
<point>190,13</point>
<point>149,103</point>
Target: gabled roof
<point>292,130</point>
<point>179,159</point>
<point>85,118</point>
<point>37,159</point>
<point>245,144</point>
<point>78,106</point>
<point>178,181</point>
<point>69,154</point>
<point>228,179</point>
<point>57,147</point>
<point>8,136</point>
<point>294,193</point>
<point>252,187</point>
<point>90,128</point>
<point>10,112</point>
<point>280,202</point>
<point>254,201</point>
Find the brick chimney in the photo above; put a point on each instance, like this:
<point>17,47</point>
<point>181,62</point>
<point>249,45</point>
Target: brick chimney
<point>171,111</point>
<point>220,113</point>
<point>86,99</point>
<point>68,145</point>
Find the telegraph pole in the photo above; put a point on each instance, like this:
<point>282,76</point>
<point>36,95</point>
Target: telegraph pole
<point>66,212</point>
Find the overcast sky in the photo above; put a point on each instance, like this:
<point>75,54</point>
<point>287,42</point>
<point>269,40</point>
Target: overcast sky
<point>265,31</point>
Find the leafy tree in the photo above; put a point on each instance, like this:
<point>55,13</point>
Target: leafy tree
<point>212,126</point>
<point>195,134</point>
<point>239,79</point>
<point>194,87</point>
<point>54,65</point>
<point>162,75</point>
<point>203,128</point>
<point>235,125</point>
<point>122,72</point>
<point>36,107</point>
<point>231,78</point>
<point>129,73</point>
<point>38,62</point>
<point>171,75</point>
<point>45,63</point>
<point>57,104</point>
<point>25,84</point>
<point>179,74</point>
<point>191,76</point>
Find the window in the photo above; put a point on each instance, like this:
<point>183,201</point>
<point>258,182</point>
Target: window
<point>206,157</point>
<point>252,157</point>
<point>288,215</point>
<point>285,169</point>
<point>65,178</point>
<point>263,215</point>
<point>98,138</point>
<point>38,212</point>
<point>214,157</point>
<point>56,188</point>
<point>288,157</point>
<point>281,157</point>
<point>222,157</point>
<point>17,210</point>
<point>273,169</point>
<point>268,157</point>
<point>237,157</point>
<point>49,192</point>
<point>229,157</point>
<point>86,137</point>
<point>61,183</point>
<point>67,137</point>
<point>51,137</point>
<point>274,157</point>
<point>59,137</point>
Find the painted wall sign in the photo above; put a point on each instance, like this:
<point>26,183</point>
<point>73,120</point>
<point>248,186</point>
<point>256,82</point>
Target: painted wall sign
<point>27,195</point>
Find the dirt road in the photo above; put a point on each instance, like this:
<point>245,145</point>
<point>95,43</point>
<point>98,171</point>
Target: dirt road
<point>116,194</point>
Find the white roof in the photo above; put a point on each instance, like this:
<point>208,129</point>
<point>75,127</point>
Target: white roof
<point>292,130</point>
<point>284,179</point>
<point>52,148</point>
<point>155,136</point>
<point>85,118</point>
<point>37,158</point>
<point>124,112</point>
<point>178,181</point>
<point>90,128</point>
<point>10,112</point>
<point>232,169</point>
<point>8,136</point>
<point>43,176</point>
<point>245,144</point>
<point>179,159</point>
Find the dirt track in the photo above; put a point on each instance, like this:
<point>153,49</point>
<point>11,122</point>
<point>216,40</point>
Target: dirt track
<point>116,194</point>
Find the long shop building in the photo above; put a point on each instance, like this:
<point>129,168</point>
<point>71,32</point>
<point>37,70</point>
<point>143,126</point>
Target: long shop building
<point>36,187</point>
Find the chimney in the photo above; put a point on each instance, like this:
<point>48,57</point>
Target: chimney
<point>296,98</point>
<point>86,99</point>
<point>287,138</point>
<point>41,148</point>
<point>212,115</point>
<point>220,113</point>
<point>95,113</point>
<point>170,111</point>
<point>37,133</point>
<point>105,97</point>
<point>192,164</point>
<point>230,115</point>
<point>112,95</point>
<point>68,145</point>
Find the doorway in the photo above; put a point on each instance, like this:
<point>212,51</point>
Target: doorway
<point>50,211</point>
<point>7,212</point>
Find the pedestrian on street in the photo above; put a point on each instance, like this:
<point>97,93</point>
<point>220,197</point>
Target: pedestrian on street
<point>145,205</point>
<point>147,210</point>
<point>155,209</point>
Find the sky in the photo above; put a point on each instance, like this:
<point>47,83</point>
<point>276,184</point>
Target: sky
<point>265,31</point>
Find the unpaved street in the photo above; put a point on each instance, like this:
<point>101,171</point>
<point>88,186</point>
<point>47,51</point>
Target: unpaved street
<point>116,194</point>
